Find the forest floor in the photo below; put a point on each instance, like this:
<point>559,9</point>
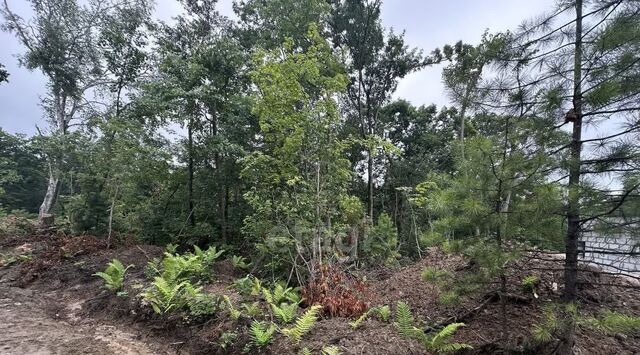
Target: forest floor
<point>51,304</point>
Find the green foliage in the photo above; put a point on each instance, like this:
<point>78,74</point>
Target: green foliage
<point>530,283</point>
<point>22,180</point>
<point>226,339</point>
<point>440,342</point>
<point>305,351</point>
<point>554,320</point>
<point>405,322</point>
<point>381,245</point>
<point>252,309</point>
<point>234,313</point>
<point>113,275</point>
<point>166,296</point>
<point>202,305</point>
<point>384,312</point>
<point>330,350</point>
<point>303,324</point>
<point>611,322</point>
<point>209,256</point>
<point>449,298</point>
<point>356,323</point>
<point>435,275</point>
<point>302,169</point>
<point>285,312</point>
<point>280,294</point>
<point>239,262</point>
<point>261,333</point>
<point>248,286</point>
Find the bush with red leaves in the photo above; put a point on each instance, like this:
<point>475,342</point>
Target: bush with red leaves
<point>339,294</point>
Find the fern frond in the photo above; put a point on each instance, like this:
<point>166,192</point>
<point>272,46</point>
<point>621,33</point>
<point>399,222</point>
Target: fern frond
<point>440,342</point>
<point>384,312</point>
<point>404,322</point>
<point>113,275</point>
<point>305,351</point>
<point>330,350</point>
<point>447,332</point>
<point>262,334</point>
<point>303,324</point>
<point>252,309</point>
<point>356,323</point>
<point>286,312</point>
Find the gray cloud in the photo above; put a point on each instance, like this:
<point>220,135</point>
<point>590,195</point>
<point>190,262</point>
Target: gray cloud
<point>428,24</point>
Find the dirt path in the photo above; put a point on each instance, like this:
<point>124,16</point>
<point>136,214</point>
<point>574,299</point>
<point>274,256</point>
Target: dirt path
<point>29,324</point>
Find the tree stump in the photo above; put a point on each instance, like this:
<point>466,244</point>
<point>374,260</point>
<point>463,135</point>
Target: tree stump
<point>46,221</point>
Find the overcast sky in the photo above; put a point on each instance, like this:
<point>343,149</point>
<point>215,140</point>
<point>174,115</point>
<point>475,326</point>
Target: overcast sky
<point>428,24</point>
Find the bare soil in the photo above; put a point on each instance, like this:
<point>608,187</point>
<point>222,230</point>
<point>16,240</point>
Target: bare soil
<point>51,304</point>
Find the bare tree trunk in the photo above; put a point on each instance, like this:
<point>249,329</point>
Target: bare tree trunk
<point>192,217</point>
<point>49,198</point>
<point>370,184</point>
<point>573,209</point>
<point>113,206</point>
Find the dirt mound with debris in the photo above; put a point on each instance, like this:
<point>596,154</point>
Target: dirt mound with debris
<point>51,303</point>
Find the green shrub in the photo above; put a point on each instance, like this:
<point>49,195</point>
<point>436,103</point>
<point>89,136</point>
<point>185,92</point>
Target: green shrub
<point>434,275</point>
<point>113,275</point>
<point>381,245</point>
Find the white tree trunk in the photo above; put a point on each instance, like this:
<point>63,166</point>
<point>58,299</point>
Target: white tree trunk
<point>49,197</point>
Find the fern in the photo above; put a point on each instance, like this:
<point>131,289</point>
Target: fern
<point>233,312</point>
<point>303,324</point>
<point>286,313</point>
<point>404,322</point>
<point>441,341</point>
<point>177,268</point>
<point>165,297</point>
<point>209,256</point>
<point>305,351</point>
<point>252,309</point>
<point>330,350</point>
<point>113,275</point>
<point>384,312</point>
<point>280,294</point>
<point>261,334</point>
<point>356,323</point>
<point>239,262</point>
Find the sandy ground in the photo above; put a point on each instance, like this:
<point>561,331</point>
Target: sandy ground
<point>26,327</point>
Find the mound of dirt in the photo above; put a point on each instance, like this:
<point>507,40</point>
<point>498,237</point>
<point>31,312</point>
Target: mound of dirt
<point>52,304</point>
